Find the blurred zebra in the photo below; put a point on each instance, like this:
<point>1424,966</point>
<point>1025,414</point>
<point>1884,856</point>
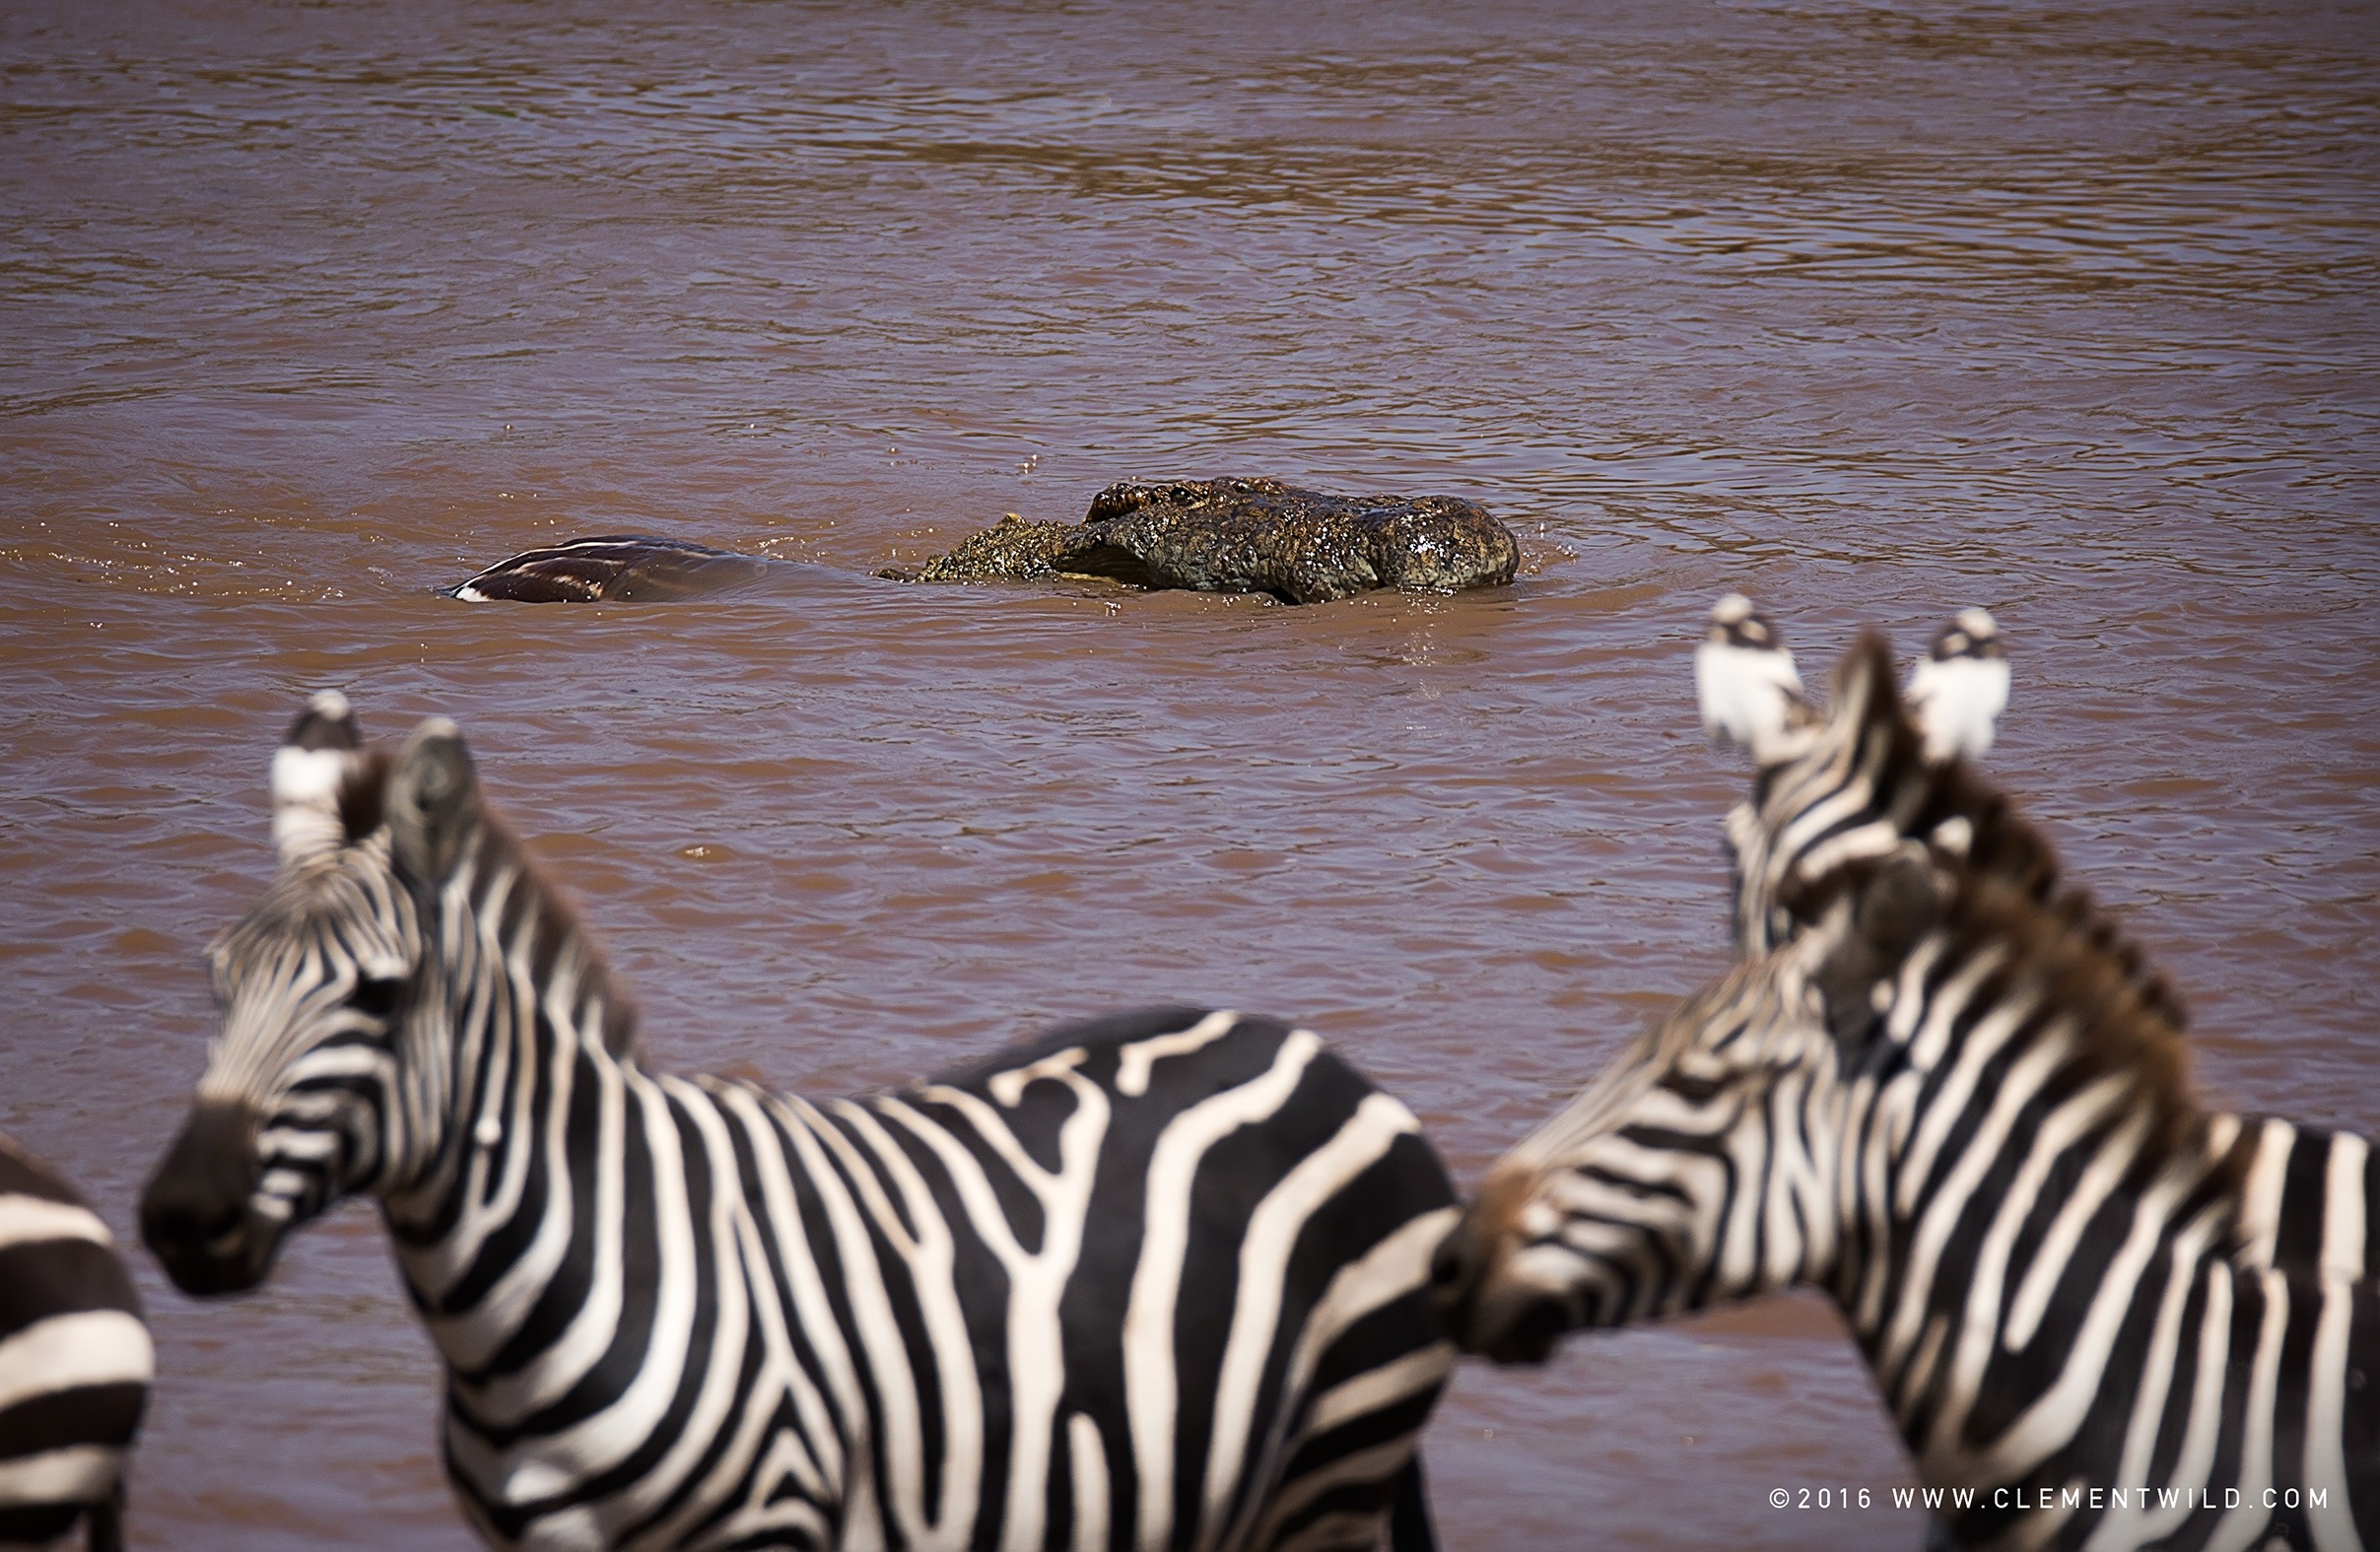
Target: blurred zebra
<point>75,1362</point>
<point>1957,1103</point>
<point>1154,1281</point>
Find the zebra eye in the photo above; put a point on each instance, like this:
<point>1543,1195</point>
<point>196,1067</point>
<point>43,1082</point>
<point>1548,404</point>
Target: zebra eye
<point>1692,1088</point>
<point>377,996</point>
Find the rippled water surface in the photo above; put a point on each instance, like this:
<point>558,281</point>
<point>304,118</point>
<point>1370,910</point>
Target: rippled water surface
<point>305,309</point>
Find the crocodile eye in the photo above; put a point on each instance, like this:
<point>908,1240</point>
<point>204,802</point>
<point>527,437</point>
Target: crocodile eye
<point>377,996</point>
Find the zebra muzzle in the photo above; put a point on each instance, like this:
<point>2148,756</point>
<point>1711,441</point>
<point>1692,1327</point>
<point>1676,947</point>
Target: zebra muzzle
<point>1494,1316</point>
<point>197,1215</point>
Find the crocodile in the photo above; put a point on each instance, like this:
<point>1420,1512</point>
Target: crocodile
<point>1248,536</point>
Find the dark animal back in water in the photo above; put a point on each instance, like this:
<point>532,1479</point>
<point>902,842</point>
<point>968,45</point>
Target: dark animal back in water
<point>633,568</point>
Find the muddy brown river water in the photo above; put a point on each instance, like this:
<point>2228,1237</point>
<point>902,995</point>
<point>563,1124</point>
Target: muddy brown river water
<point>1873,312</point>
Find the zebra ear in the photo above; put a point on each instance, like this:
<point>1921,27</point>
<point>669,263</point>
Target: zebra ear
<point>1745,682</point>
<point>362,794</point>
<point>311,769</point>
<point>433,799</point>
<point>1957,693</point>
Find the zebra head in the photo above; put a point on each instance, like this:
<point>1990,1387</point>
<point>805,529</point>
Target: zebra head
<point>1742,1144</point>
<point>302,1100</point>
<point>1682,1176</point>
<point>1876,771</point>
<point>1620,1208</point>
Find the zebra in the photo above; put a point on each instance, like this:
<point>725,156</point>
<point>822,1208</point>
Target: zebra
<point>1156,1280</point>
<point>1956,1102</point>
<point>75,1362</point>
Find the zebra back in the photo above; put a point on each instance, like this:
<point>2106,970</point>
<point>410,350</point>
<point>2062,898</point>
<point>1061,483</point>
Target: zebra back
<point>1245,1343</point>
<point>75,1359</point>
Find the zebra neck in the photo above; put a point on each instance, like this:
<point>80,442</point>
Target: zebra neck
<point>527,1014</point>
<point>534,1191</point>
<point>1975,1256</point>
<point>2018,1109</point>
<point>519,1270</point>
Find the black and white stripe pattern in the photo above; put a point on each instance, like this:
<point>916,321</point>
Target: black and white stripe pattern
<point>1955,1101</point>
<point>1154,1281</point>
<point>74,1361</point>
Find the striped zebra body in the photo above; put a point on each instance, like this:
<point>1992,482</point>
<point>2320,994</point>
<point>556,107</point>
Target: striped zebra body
<point>1152,1281</point>
<point>74,1361</point>
<point>1954,1098</point>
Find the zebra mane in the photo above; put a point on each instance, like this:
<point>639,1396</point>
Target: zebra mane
<point>2007,887</point>
<point>551,914</point>
<point>1964,819</point>
<point>2087,978</point>
<point>558,927</point>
